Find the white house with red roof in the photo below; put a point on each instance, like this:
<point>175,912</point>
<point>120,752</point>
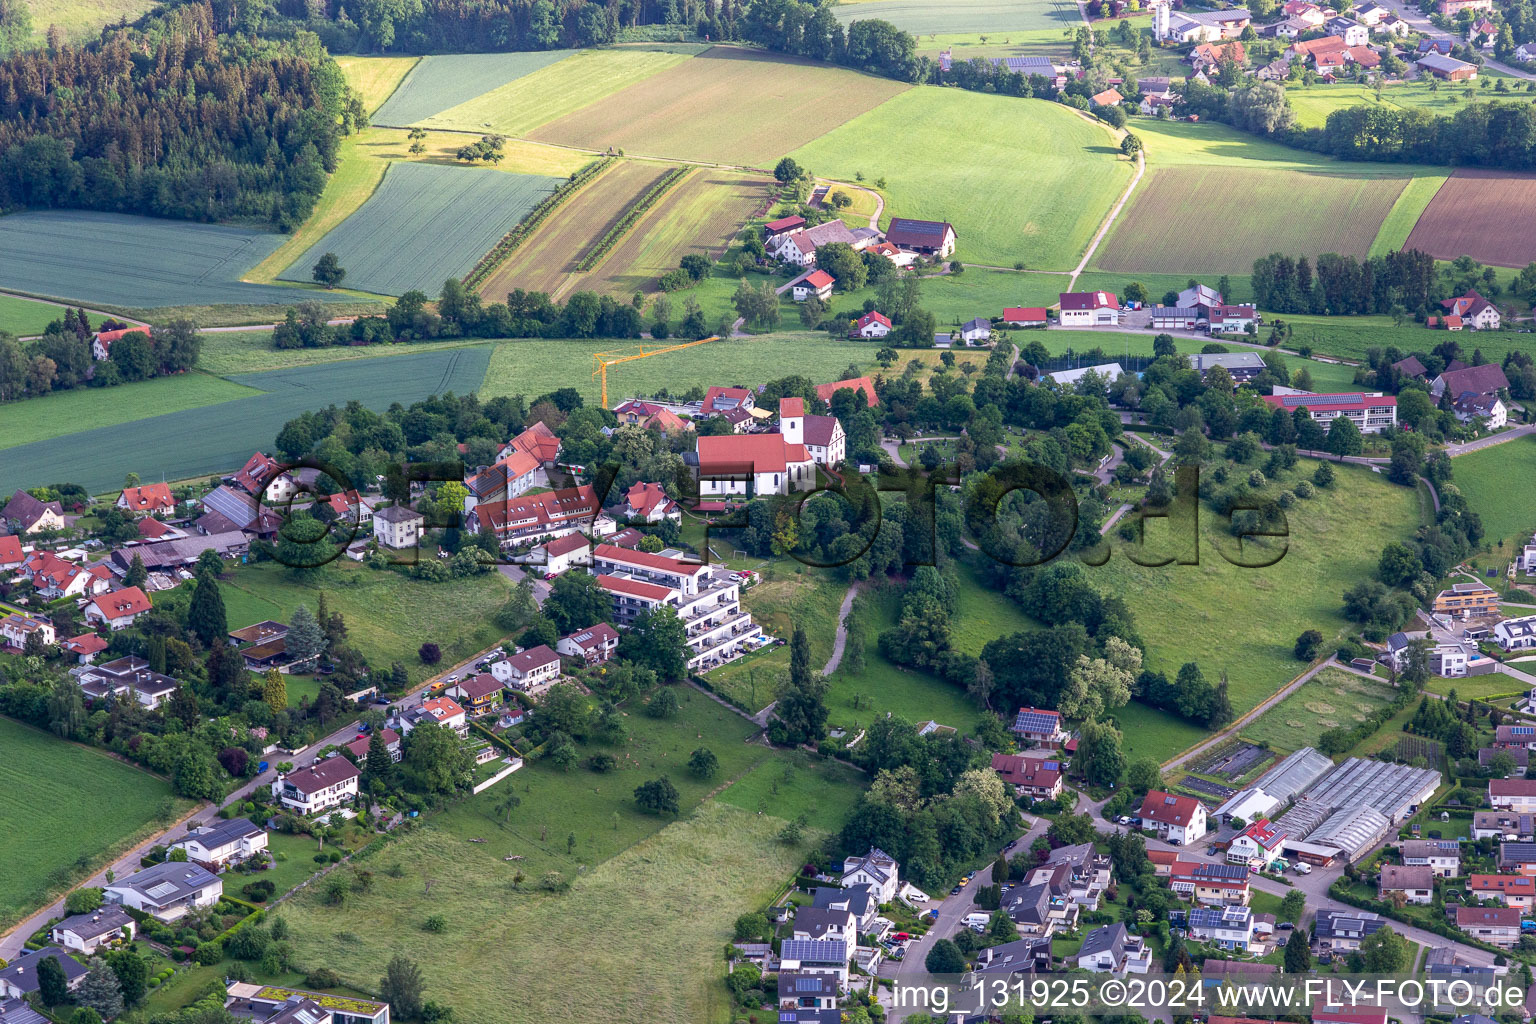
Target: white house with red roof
<point>11,555</point>
<point>649,502</point>
<point>321,785</point>
<point>101,344</point>
<point>1176,818</point>
<point>528,670</point>
<point>117,610</point>
<point>53,577</point>
<point>1024,316</point>
<point>1038,778</point>
<point>593,645</point>
<point>863,385</point>
<point>538,441</point>
<point>873,324</point>
<point>534,517</point>
<point>1212,885</point>
<point>818,283</point>
<point>1089,309</point>
<point>1257,846</point>
<point>822,436</point>
<point>1370,412</point>
<point>562,553</point>
<point>85,647</point>
<point>146,499</point>
<point>703,596</point>
<point>262,471</point>
<point>444,711</point>
<point>753,464</point>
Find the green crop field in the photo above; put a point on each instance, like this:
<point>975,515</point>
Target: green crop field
<point>536,366</point>
<point>82,19</point>
<point>1035,182</point>
<point>388,614</point>
<point>546,262</point>
<point>235,352</point>
<point>726,105</point>
<point>69,412</point>
<point>1245,621</point>
<point>1340,215</point>
<point>438,82</point>
<point>375,78</point>
<point>1405,213</point>
<point>100,258</point>
<point>47,843</point>
<point>219,438</point>
<point>23,317</point>
<point>1330,699</point>
<point>997,17</point>
<point>1498,483</point>
<point>1314,103</point>
<point>424,224</point>
<point>1350,336</point>
<point>524,104</point>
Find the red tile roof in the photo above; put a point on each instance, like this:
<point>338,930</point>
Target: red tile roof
<point>860,384</point>
<point>108,337</point>
<point>785,224</point>
<point>148,498</point>
<point>481,684</point>
<point>1024,314</point>
<point>791,407</point>
<point>257,473</point>
<point>152,528</point>
<point>1088,300</point>
<point>633,588</point>
<point>874,316</point>
<point>644,497</point>
<point>358,748</point>
<point>647,560</point>
<point>1511,787</point>
<point>10,549</point>
<point>85,643</point>
<point>714,394</point>
<point>1018,770</point>
<point>1167,808</point>
<point>120,603</point>
<point>551,508</point>
<point>819,279</point>
<point>736,453</point>
<point>1516,884</point>
<point>538,441</point>
<point>442,708</point>
<point>565,545</point>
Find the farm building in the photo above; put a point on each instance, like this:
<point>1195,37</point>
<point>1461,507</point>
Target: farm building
<point>1448,68</point>
<point>1370,412</point>
<point>1089,309</point>
<point>929,237</point>
<point>1024,316</point>
<point>1174,318</point>
<point>799,247</point>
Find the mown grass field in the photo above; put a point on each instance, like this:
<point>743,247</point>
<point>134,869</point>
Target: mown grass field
<point>794,595</point>
<point>1340,215</point>
<point>1405,212</point>
<point>22,317</point>
<point>439,82</point>
<point>726,105</point>
<point>1033,184</point>
<point>1351,336</point>
<point>1245,621</point>
<point>389,615</point>
<point>48,843</point>
<point>554,91</point>
<point>67,412</point>
<point>1498,483</point>
<point>81,19</point>
<point>1483,214</point>
<point>700,215</point>
<point>546,262</point>
<point>219,438</point>
<point>365,157</point>
<point>1147,732</point>
<point>99,258</point>
<point>925,17</point>
<point>1330,699</point>
<point>1314,103</point>
<point>676,893</point>
<point>425,223</point>
<point>375,78</point>
<point>534,367</point>
<point>239,352</point>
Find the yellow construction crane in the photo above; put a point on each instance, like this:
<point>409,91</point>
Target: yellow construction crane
<point>603,360</point>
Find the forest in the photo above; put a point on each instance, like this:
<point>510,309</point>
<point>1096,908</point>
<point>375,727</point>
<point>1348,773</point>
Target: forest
<point>177,116</point>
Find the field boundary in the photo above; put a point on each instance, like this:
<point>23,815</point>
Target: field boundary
<point>638,209</point>
<point>518,235</point>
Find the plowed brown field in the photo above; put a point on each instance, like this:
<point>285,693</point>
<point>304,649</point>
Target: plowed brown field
<point>1488,215</point>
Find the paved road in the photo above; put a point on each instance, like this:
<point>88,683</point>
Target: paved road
<point>1454,450</point>
<point>1419,23</point>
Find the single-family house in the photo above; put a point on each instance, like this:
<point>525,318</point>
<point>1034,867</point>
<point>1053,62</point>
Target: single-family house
<point>976,330</point>
<point>1489,409</point>
<point>146,500</point>
<point>1038,727</point>
<point>1516,635</point>
<point>444,711</point>
<point>101,342</point>
<point>1442,856</point>
<point>873,324</point>
<point>1352,32</point>
<point>649,503</point>
<point>817,956</point>
<point>85,647</point>
<point>1213,885</point>
<point>1037,778</point>
<point>1525,52</point>
<point>167,891</point>
<point>929,237</point>
<point>1024,316</point>
<point>1111,948</point>
<point>592,646</point>
<point>1036,911</point>
<point>275,1004</point>
<point>1503,825</point>
<point>1306,50</point>
<point>358,748</point>
<point>530,669</point>
<point>1257,846</point>
<point>818,283</point>
<point>1498,926</point>
<point>1479,314</point>
<point>1021,956</point>
<point>323,784</point>
<point>1108,98</point>
<point>117,609</point>
<point>825,923</point>
<point>478,693</point>
<point>1416,882</point>
<point>11,554</point>
<point>1178,819</point>
<point>128,676</point>
<point>1343,930</point>
<point>563,553</point>
<point>858,899</point>
<point>220,843</point>
<point>1089,309</point>
<point>86,933</point>
<point>19,978</point>
<point>1517,857</point>
<point>16,629</point>
<point>26,514</point>
<point>1516,795</point>
<point>1521,758</point>
<point>398,526</point>
<point>1226,927</point>
<point>265,478</point>
<point>876,869</point>
<point>1518,891</point>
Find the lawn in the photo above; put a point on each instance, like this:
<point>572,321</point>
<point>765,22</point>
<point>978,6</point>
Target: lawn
<point>1331,699</point>
<point>360,168</point>
<point>1483,214</point>
<point>1149,732</point>
<point>1035,182</point>
<point>219,438</point>
<point>727,105</point>
<point>424,224</point>
<point>554,91</point>
<point>23,317</point>
<point>47,844</point>
<point>1340,215</point>
<point>925,17</point>
<point>790,595</point>
<point>546,262</point>
<point>675,892</point>
<point>375,79</point>
<point>68,412</point>
<point>99,258</point>
<point>535,366</point>
<point>1485,477</point>
<point>439,82</point>
<point>1245,621</point>
<point>389,615</point>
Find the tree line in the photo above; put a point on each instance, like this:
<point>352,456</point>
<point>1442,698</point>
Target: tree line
<point>173,117</point>
<point>1401,281</point>
<point>61,359</point>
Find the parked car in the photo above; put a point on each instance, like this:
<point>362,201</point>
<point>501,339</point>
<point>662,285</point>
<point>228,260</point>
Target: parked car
<point>1303,868</point>
<point>1210,851</point>
<point>956,890</point>
<point>1175,842</point>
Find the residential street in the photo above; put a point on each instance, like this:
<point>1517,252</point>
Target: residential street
<point>1419,23</point>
